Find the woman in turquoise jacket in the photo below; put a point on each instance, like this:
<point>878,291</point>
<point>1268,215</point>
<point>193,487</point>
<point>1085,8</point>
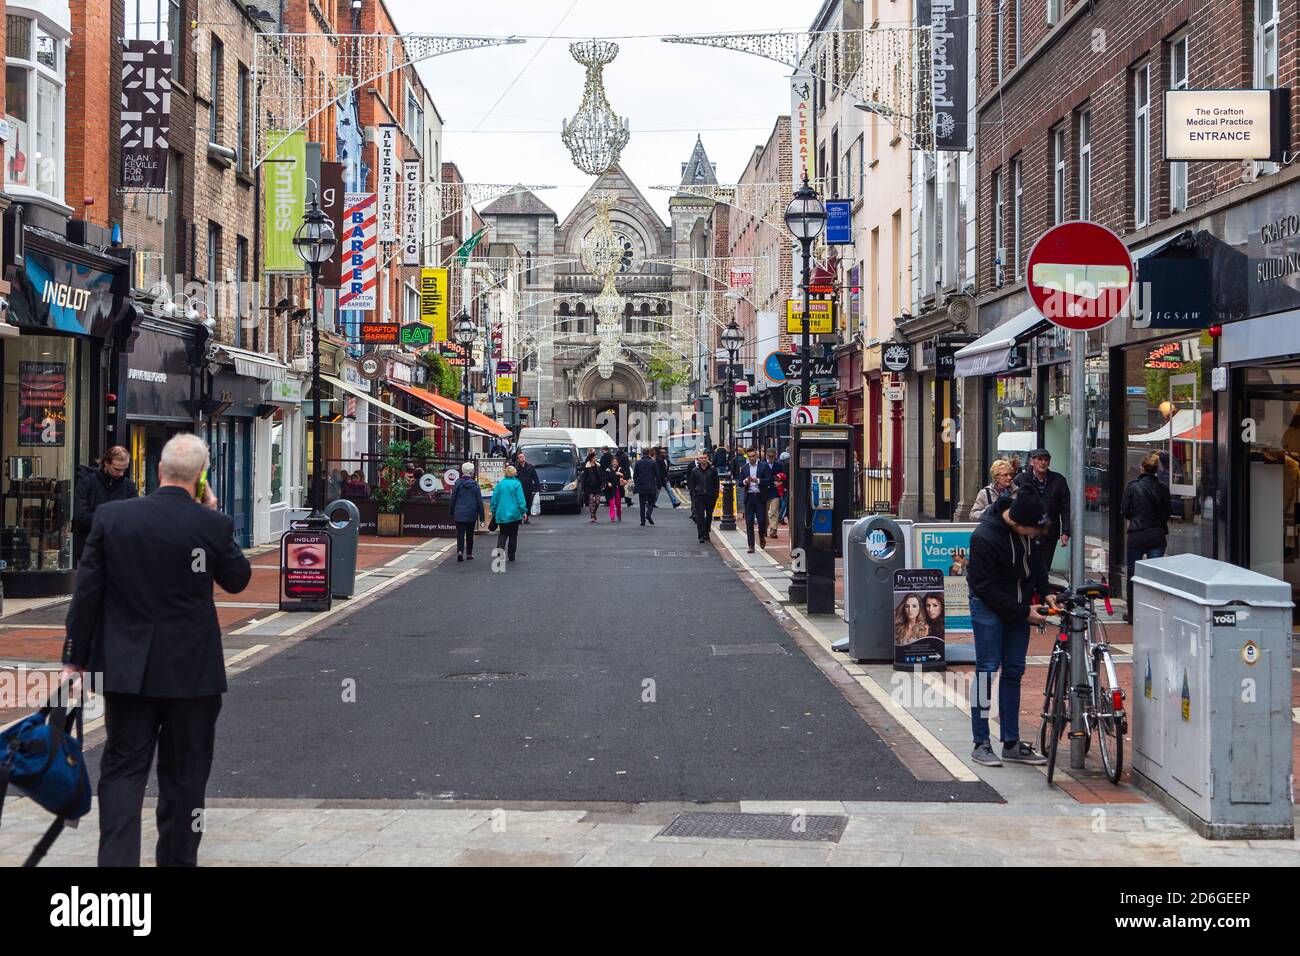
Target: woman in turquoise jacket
<point>508,510</point>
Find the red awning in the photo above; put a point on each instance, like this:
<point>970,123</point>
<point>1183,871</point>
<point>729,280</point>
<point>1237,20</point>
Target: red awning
<point>454,410</point>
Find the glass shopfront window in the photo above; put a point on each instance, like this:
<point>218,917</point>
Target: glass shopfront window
<point>1169,409</point>
<point>43,442</point>
<point>1013,418</point>
<point>277,457</point>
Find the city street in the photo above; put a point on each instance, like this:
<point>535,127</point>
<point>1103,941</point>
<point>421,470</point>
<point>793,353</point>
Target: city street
<point>575,708</point>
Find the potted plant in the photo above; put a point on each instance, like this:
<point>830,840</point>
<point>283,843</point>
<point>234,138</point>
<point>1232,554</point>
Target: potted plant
<point>392,489</point>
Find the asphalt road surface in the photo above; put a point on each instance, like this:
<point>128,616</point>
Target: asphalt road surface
<point>585,672</point>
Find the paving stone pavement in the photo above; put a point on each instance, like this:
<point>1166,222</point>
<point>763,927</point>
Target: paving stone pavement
<point>424,833</point>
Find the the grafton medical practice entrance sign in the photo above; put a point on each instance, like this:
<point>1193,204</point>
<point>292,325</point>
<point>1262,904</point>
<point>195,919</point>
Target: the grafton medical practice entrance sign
<point>1227,124</point>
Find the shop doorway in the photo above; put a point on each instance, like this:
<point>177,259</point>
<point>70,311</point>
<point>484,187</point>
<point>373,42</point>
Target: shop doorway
<point>947,448</point>
<point>1271,510</point>
<point>146,447</point>
<point>231,473</point>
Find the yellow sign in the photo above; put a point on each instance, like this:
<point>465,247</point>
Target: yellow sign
<point>826,416</point>
<point>433,301</point>
<point>717,505</point>
<point>505,384</point>
<point>823,316</point>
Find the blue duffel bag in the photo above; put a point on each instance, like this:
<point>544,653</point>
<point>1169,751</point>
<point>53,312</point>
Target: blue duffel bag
<point>41,757</point>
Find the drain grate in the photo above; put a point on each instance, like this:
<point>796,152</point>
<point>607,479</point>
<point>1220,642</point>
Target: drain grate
<point>487,676</point>
<point>679,554</point>
<point>758,826</point>
<point>729,650</point>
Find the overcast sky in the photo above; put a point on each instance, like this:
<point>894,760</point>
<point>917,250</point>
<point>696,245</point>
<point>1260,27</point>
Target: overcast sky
<point>669,93</point>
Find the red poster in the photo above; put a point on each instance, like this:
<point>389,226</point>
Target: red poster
<point>42,403</point>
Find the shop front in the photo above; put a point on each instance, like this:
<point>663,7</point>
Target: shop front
<point>161,389</point>
<point>233,403</point>
<point>278,447</point>
<point>72,309</point>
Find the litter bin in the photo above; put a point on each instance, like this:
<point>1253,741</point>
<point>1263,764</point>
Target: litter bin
<point>1211,701</point>
<point>905,525</point>
<point>344,531</point>
<point>876,550</point>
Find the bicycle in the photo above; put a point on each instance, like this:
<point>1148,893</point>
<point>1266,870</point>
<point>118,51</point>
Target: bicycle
<point>1101,699</point>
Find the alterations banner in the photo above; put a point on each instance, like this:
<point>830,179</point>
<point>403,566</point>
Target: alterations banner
<point>387,183</point>
<point>284,198</point>
<point>359,284</point>
<point>146,113</point>
<point>433,301</point>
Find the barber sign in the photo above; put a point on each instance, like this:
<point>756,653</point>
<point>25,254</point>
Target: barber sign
<point>1080,275</point>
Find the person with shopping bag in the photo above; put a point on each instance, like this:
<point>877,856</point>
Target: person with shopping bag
<point>143,616</point>
<point>509,508</point>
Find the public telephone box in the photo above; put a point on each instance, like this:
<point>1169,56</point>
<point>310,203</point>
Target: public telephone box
<point>821,499</point>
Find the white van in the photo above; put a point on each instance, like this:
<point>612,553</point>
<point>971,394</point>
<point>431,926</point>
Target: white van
<point>583,439</point>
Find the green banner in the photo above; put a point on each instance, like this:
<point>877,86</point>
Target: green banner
<point>466,250</point>
<point>284,199</point>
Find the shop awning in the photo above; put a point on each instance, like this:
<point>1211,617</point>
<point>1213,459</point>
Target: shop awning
<point>454,411</point>
<point>371,400</point>
<point>991,353</point>
<point>766,419</point>
<point>254,364</point>
<point>1187,424</point>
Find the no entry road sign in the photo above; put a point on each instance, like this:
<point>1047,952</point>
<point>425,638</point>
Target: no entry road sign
<point>1080,275</point>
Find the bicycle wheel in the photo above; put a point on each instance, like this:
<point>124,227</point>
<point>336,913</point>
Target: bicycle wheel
<point>1111,721</point>
<point>1060,716</point>
<point>1049,699</point>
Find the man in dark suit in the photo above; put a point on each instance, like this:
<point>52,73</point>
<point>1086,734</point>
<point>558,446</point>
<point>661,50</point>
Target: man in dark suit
<point>645,479</point>
<point>756,482</point>
<point>143,616</point>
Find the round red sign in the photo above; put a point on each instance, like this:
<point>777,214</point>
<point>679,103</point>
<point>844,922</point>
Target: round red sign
<point>1079,275</point>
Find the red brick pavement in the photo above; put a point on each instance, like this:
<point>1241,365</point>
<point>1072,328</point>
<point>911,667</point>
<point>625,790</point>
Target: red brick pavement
<point>1090,784</point>
<point>45,645</point>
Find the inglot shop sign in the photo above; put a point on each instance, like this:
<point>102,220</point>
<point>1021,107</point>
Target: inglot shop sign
<point>52,293</point>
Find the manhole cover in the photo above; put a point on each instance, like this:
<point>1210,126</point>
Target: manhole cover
<point>758,826</point>
<point>487,676</point>
<point>728,650</point>
<point>679,554</point>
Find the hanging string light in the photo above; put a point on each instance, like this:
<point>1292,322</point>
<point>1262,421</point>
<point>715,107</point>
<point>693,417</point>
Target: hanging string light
<point>596,135</point>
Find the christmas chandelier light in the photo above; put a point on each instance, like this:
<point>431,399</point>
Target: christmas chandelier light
<point>601,255</point>
<point>596,135</point>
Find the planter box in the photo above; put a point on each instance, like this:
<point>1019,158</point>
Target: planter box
<point>389,526</point>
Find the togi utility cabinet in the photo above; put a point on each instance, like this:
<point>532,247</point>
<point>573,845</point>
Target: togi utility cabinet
<point>1211,700</point>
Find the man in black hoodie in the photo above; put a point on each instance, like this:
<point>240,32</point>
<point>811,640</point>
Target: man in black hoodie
<point>1004,575</point>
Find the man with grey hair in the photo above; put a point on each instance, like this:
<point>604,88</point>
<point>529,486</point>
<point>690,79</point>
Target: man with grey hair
<point>143,617</point>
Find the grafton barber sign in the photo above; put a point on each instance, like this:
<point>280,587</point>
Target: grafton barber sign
<point>1080,275</point>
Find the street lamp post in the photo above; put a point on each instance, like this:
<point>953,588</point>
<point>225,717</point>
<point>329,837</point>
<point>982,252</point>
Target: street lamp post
<point>314,242</point>
<point>805,217</point>
<point>732,338</point>
<point>465,333</point>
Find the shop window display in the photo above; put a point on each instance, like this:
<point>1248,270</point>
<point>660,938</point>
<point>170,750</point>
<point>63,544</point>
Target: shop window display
<point>42,443</point>
<point>1169,410</point>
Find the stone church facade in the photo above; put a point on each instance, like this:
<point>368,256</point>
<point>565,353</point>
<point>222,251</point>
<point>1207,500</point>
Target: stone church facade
<point>557,324</point>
